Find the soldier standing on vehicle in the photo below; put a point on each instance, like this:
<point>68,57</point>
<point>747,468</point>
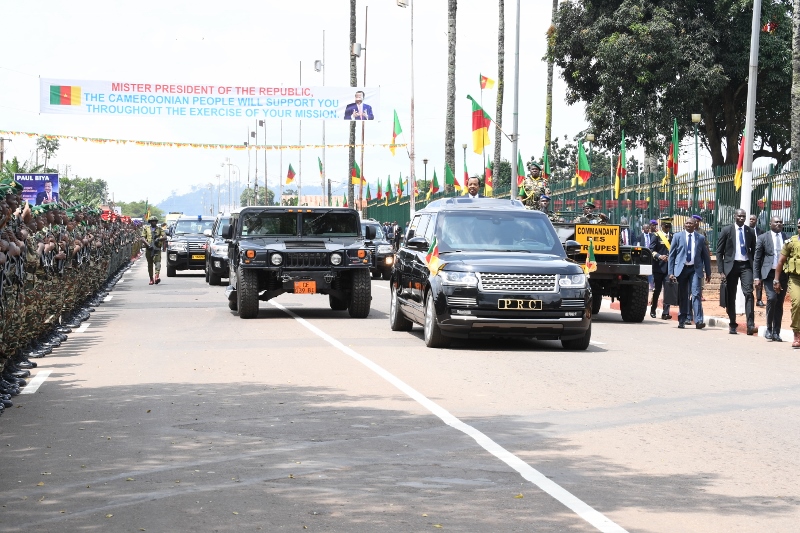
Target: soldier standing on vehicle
<point>660,247</point>
<point>154,239</point>
<point>789,262</point>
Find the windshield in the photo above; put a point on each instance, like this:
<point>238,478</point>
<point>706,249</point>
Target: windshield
<point>331,223</point>
<point>269,223</point>
<point>497,231</point>
<point>192,226</point>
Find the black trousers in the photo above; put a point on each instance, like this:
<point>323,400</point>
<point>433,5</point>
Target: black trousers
<point>775,301</point>
<point>741,270</point>
<point>684,288</point>
<point>658,283</point>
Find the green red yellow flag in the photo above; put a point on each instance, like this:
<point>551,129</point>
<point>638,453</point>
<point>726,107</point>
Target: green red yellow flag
<point>486,83</point>
<point>387,193</point>
<point>450,178</point>
<point>396,130</point>
<point>369,194</point>
<point>400,189</point>
<point>622,167</point>
<point>344,200</point>
<point>433,187</point>
<point>379,196</point>
<point>65,95</point>
<point>432,258</point>
<point>465,190</point>
<point>480,127</point>
<point>582,170</point>
<point>737,178</point>
<point>546,165</point>
<point>672,160</point>
<point>355,174</point>
<point>488,183</point>
<point>520,170</point>
<point>320,166</point>
<point>290,175</point>
<point>590,265</point>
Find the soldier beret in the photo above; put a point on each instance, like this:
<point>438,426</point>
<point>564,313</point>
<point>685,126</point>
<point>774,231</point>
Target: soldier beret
<point>152,218</point>
<point>544,197</point>
<point>697,217</point>
<point>536,165</point>
<point>654,221</point>
<point>589,204</point>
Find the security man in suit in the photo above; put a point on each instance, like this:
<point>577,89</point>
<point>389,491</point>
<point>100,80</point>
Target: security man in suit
<point>689,258</point>
<point>660,246</point>
<point>768,250</point>
<point>736,248</point>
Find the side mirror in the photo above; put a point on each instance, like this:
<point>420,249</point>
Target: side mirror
<point>572,248</point>
<point>370,233</point>
<point>207,232</point>
<point>227,231</point>
<point>417,243</point>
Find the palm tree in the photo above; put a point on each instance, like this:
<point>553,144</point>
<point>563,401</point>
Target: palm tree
<point>450,125</point>
<point>353,83</point>
<point>13,166</point>
<point>501,52</point>
<point>548,114</point>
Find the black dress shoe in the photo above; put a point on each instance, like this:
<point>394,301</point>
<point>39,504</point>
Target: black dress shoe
<point>652,314</point>
<point>776,338</point>
<point>768,335</point>
<point>752,331</point>
<point>681,326</point>
<point>666,317</point>
<point>732,331</point>
<point>700,325</point>
<point>760,304</point>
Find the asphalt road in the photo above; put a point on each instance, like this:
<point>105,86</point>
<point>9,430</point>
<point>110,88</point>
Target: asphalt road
<point>170,413</point>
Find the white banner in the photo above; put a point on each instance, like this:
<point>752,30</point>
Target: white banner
<point>111,98</point>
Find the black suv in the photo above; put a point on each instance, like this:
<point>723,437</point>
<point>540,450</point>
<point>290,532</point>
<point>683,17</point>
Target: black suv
<point>216,251</point>
<point>186,247</point>
<point>502,272</point>
<point>381,248</point>
<point>305,250</point>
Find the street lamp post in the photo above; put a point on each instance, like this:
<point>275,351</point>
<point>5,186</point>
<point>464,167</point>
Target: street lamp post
<point>411,156</point>
<point>425,162</point>
<point>696,118</point>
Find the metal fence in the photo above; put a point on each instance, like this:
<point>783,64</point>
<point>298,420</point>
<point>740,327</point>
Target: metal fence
<point>711,194</point>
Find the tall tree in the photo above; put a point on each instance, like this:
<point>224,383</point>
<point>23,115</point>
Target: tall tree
<point>49,146</point>
<point>353,83</point>
<point>796,84</point>
<point>265,197</point>
<point>450,113</point>
<point>88,191</point>
<point>548,113</point>
<point>501,53</point>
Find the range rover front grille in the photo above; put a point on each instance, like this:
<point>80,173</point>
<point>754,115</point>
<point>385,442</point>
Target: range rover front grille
<point>573,304</point>
<point>456,301</point>
<point>306,260</point>
<point>195,247</point>
<point>517,282</point>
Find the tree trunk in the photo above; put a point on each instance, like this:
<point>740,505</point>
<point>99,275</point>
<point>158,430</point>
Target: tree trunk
<point>501,52</point>
<point>548,114</point>
<point>450,125</point>
<point>353,83</point>
<point>795,138</point>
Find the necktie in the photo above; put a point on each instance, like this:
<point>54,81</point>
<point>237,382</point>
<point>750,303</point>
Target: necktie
<point>777,250</point>
<point>689,253</point>
<point>742,247</point>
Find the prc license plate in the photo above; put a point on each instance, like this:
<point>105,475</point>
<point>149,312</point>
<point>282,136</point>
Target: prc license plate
<point>305,287</point>
<point>198,257</point>
<point>507,304</point>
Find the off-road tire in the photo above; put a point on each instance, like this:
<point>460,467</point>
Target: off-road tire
<point>208,269</point>
<point>578,344</point>
<point>171,271</point>
<point>233,305</point>
<point>397,322</point>
<point>597,299</point>
<point>247,293</point>
<point>633,302</point>
<point>433,335</point>
<point>360,294</point>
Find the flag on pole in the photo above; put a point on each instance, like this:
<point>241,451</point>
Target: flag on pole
<point>450,178</point>
<point>582,171</point>
<point>320,166</point>
<point>737,178</point>
<point>488,184</point>
<point>396,130</point>
<point>355,175</point>
<point>379,196</point>
<point>622,167</point>
<point>466,179</point>
<point>344,200</point>
<point>432,258</point>
<point>486,83</point>
<point>290,175</point>
<point>520,170</point>
<point>337,202</point>
<point>546,165</point>
<point>433,187</point>
<point>387,193</point>
<point>416,188</point>
<point>591,264</point>
<point>369,194</point>
<point>400,189</point>
<point>672,158</point>
<point>146,210</point>
<point>480,127</point>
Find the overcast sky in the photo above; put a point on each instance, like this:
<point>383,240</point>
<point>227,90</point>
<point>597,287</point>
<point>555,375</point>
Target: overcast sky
<point>262,44</point>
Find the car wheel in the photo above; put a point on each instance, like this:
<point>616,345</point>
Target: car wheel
<point>397,321</point>
<point>214,279</point>
<point>171,271</point>
<point>337,304</point>
<point>233,304</point>
<point>208,269</point>
<point>633,302</point>
<point>433,335</point>
<point>597,303</point>
<point>360,294</point>
<point>247,293</point>
<point>580,343</point>
<point>376,274</point>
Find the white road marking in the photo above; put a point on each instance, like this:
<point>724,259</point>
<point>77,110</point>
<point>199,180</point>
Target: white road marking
<point>596,343</point>
<point>36,382</point>
<point>382,287</point>
<point>83,327</point>
<point>108,298</point>
<point>583,510</point>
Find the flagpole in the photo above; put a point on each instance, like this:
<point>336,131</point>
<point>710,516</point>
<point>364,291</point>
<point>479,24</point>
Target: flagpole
<point>280,172</point>
<point>324,168</point>
<point>360,203</point>
<point>515,134</point>
<point>411,202</point>
<point>300,142</point>
<point>747,164</point>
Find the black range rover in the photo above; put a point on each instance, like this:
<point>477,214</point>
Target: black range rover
<point>503,272</point>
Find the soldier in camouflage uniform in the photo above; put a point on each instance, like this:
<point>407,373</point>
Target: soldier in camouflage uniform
<point>154,238</point>
<point>789,262</point>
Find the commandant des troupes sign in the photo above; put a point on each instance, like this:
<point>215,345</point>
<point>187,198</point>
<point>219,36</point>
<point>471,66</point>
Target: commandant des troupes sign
<point>113,98</point>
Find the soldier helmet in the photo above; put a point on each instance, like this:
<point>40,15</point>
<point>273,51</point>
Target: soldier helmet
<point>152,218</point>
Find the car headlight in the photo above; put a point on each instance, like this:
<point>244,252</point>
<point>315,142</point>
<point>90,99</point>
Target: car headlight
<point>336,259</point>
<point>385,249</point>
<point>219,249</point>
<point>572,280</point>
<point>178,246</point>
<point>276,259</point>
<point>463,279</point>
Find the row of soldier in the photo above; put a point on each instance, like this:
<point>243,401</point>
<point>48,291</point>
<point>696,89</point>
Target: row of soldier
<point>56,263</point>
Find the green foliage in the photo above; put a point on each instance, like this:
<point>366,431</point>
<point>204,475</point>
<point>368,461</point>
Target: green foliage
<point>139,209</point>
<point>48,145</point>
<point>13,166</point>
<point>88,191</point>
<point>637,64</point>
<point>247,197</point>
<point>501,178</point>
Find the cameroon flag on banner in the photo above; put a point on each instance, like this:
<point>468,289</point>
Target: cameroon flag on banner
<point>432,258</point>
<point>396,130</point>
<point>480,127</point>
<point>488,184</point>
<point>290,175</point>
<point>433,187</point>
<point>65,95</point>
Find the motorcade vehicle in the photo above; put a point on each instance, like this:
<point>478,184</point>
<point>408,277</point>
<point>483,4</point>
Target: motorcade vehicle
<point>216,251</point>
<point>186,246</point>
<point>381,248</point>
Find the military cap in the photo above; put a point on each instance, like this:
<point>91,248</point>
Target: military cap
<point>697,218</point>
<point>152,218</point>
<point>544,197</point>
<point>589,204</point>
<point>653,221</point>
<point>536,165</point>
<point>665,220</point>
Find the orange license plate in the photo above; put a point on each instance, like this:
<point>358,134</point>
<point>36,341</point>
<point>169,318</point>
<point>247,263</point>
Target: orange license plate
<point>305,287</point>
<point>196,257</point>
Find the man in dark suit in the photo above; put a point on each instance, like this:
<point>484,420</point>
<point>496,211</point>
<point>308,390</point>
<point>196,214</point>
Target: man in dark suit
<point>626,235</point>
<point>358,110</point>
<point>47,196</point>
<point>644,241</point>
<point>753,222</point>
<point>688,258</point>
<point>736,248</point>
<point>768,250</point>
<point>473,187</point>
<point>660,246</point>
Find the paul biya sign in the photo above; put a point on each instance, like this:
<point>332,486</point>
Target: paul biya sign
<point>85,97</point>
<point>605,237</point>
